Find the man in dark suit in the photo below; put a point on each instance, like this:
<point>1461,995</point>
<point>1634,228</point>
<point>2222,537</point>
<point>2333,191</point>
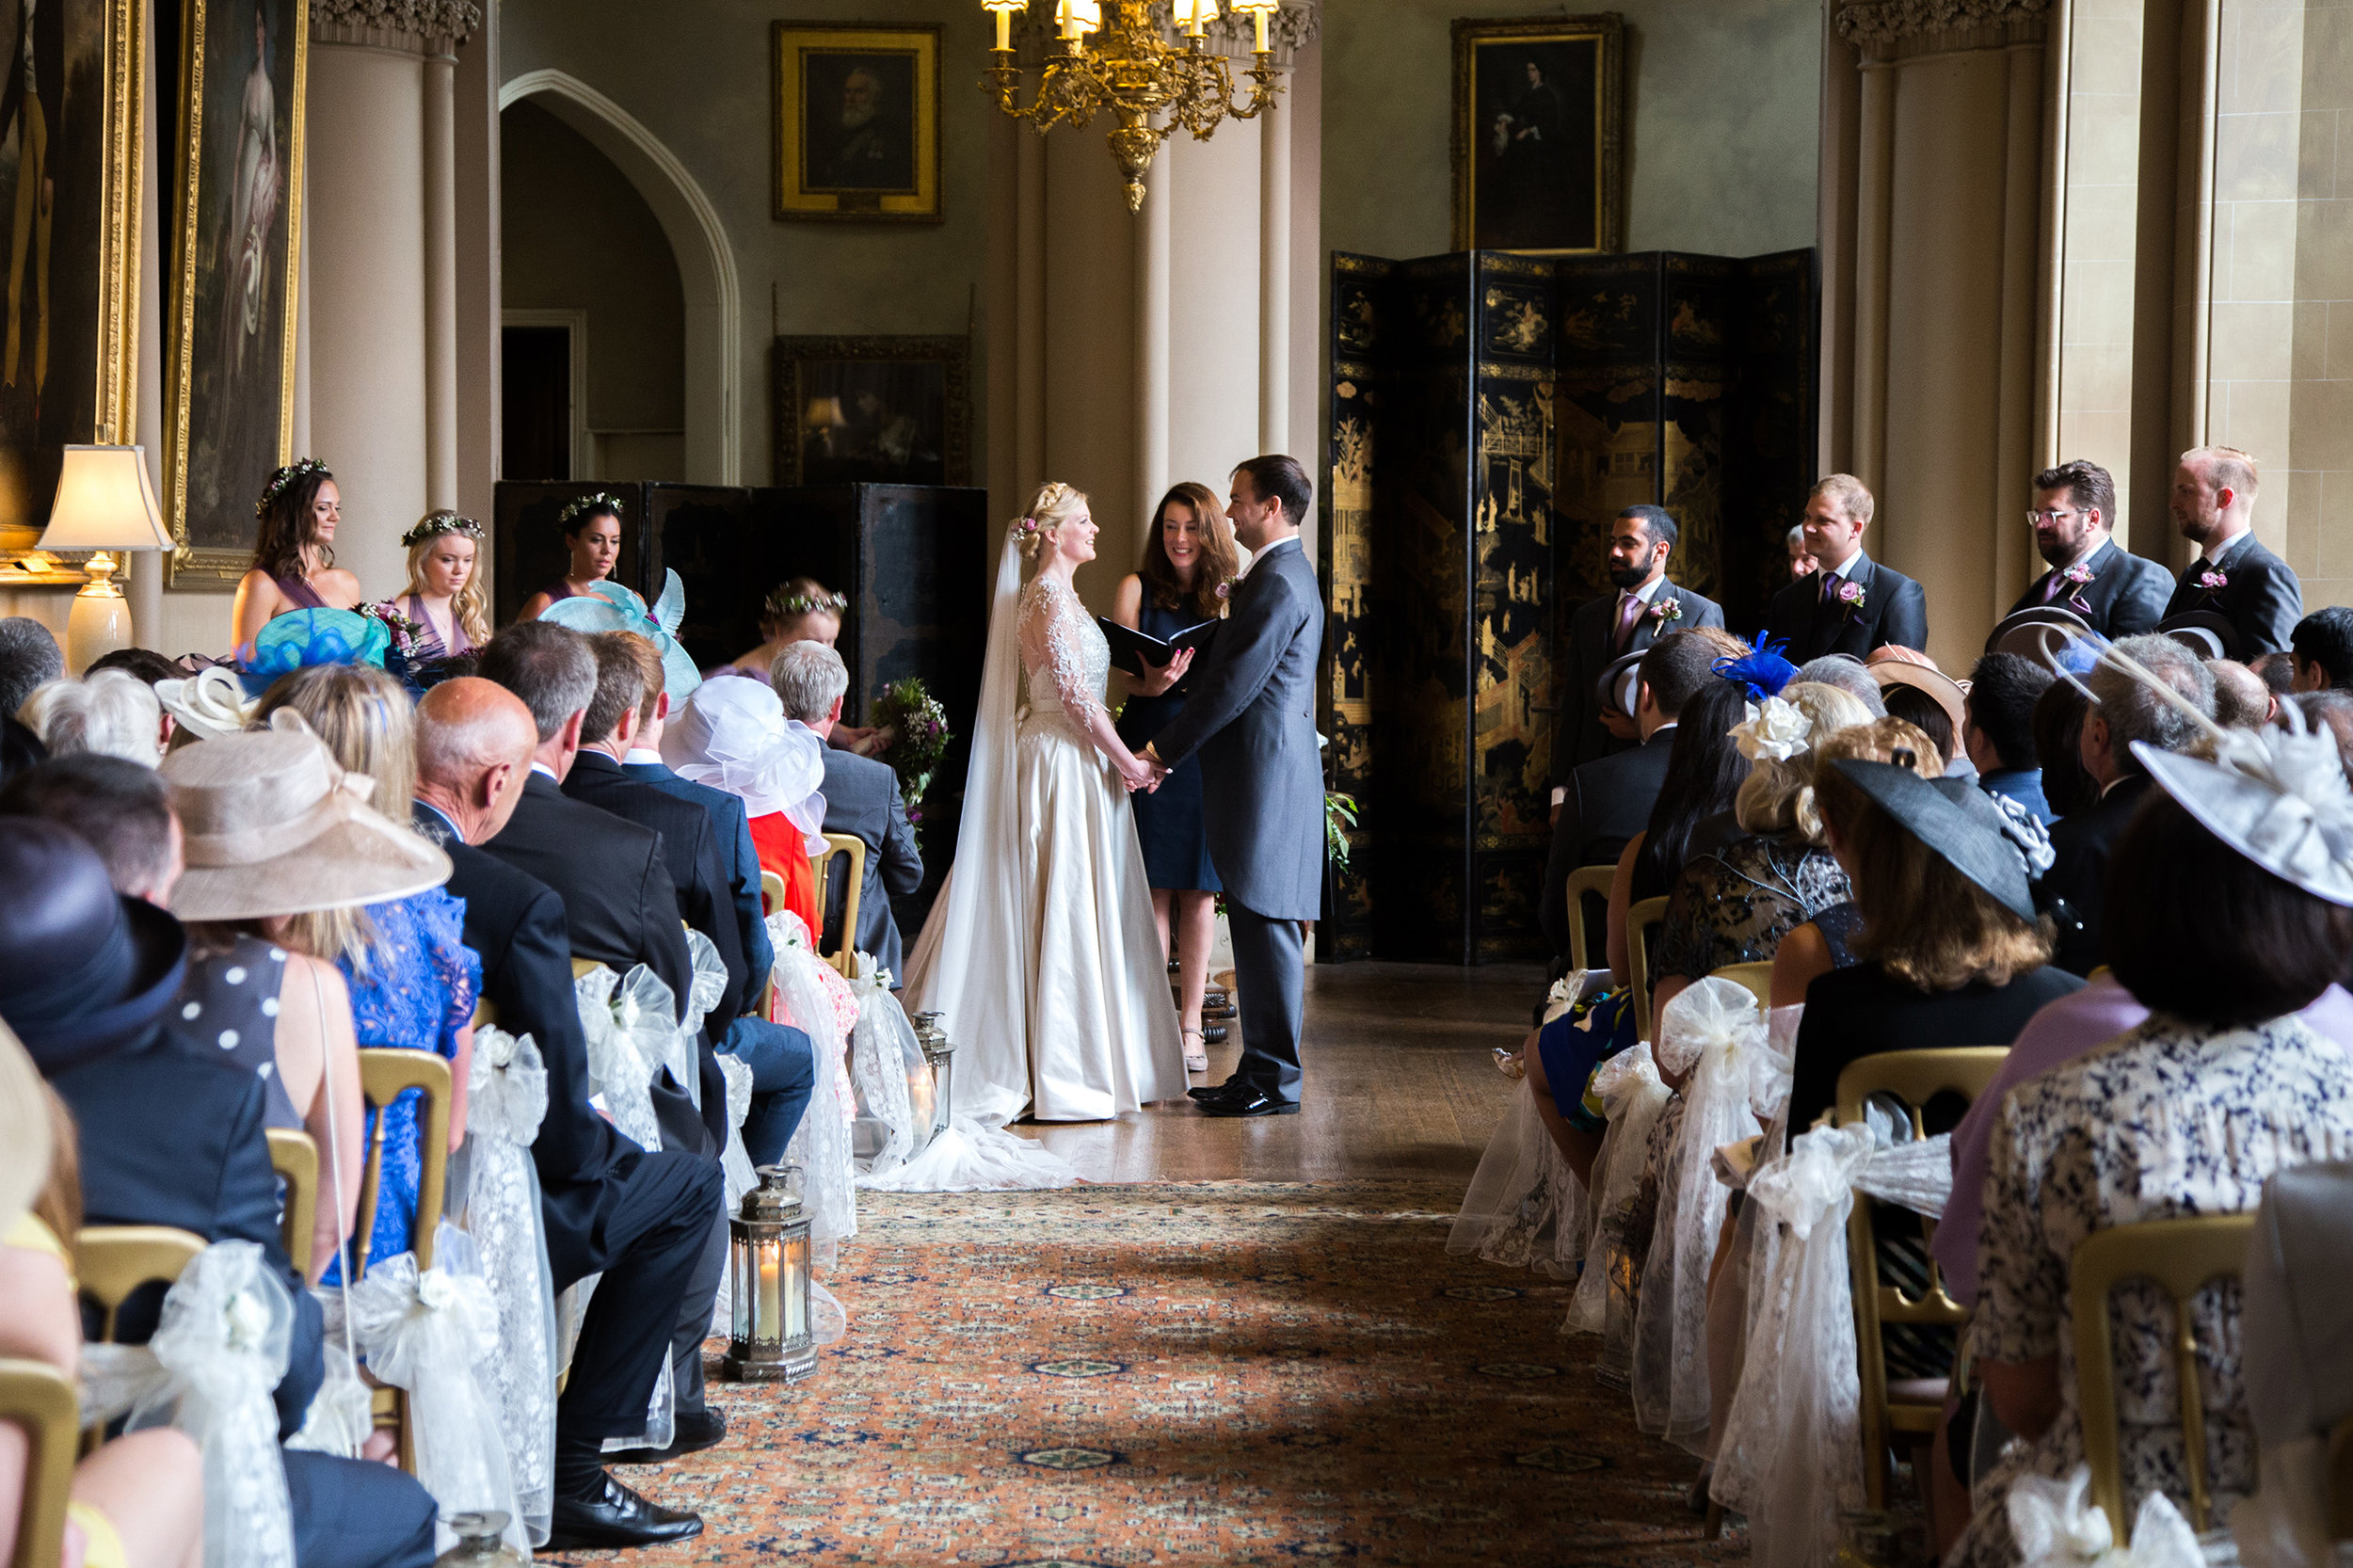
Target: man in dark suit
<point>861,797</point>
<point>1644,607</point>
<point>1850,603</point>
<point>1609,801</point>
<point>2115,593</point>
<point>2322,650</point>
<point>1997,729</point>
<point>641,1218</point>
<point>2214,506</point>
<point>170,1135</point>
<point>2073,891</point>
<point>784,1073</point>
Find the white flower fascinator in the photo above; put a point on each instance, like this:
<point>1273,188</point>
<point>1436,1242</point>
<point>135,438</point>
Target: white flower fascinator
<point>1773,728</point>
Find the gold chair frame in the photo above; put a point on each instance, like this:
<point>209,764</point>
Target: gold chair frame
<point>110,1262</point>
<point>1913,1076</point>
<point>385,1075</point>
<point>1756,979</point>
<point>2180,1258</point>
<point>295,1159</point>
<point>40,1401</point>
<point>846,957</point>
<point>1639,918</point>
<point>1583,881</point>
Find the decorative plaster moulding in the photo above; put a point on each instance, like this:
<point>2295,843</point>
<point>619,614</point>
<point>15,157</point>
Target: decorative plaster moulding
<point>1885,29</point>
<point>415,26</point>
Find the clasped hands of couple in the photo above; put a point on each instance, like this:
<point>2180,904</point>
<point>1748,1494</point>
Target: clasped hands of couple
<point>1150,769</point>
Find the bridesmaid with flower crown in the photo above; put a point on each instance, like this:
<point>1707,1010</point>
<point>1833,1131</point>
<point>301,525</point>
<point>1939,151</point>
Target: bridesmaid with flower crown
<point>446,597</point>
<point>1190,563</point>
<point>591,527</point>
<point>294,553</point>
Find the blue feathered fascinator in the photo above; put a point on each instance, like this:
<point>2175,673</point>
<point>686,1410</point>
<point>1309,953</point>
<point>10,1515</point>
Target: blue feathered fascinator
<point>610,607</point>
<point>1762,669</point>
<point>301,638</point>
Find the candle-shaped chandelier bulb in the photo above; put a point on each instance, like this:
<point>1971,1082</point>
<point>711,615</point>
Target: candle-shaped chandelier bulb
<point>1079,18</point>
<point>1195,15</point>
<point>1258,12</point>
<point>1004,10</point>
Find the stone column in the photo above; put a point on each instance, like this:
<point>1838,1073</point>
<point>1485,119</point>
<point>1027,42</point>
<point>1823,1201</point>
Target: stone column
<point>1931,296</point>
<point>382,267</point>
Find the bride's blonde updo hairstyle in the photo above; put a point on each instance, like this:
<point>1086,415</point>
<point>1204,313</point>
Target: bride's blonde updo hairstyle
<point>1054,505</point>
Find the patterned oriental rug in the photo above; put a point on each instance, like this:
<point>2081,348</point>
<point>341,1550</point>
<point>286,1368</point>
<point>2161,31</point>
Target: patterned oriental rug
<point>1228,1372</point>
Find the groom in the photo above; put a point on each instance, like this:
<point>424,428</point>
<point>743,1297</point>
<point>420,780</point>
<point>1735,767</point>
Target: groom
<point>1251,717</point>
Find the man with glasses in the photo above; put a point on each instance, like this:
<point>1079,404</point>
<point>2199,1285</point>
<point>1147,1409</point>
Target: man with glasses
<point>2115,593</point>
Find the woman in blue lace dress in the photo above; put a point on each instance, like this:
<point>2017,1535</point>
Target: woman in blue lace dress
<point>414,979</point>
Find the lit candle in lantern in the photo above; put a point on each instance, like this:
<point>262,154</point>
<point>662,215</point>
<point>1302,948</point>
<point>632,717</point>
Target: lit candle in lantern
<point>769,1244</point>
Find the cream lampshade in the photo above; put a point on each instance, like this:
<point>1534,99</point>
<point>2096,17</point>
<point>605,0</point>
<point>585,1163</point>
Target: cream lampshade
<point>105,502</point>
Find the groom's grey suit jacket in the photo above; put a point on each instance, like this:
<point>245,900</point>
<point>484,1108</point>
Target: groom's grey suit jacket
<point>1252,718</point>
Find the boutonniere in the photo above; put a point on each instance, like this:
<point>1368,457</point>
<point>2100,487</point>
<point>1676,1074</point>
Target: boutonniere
<point>1225,590</point>
<point>2076,577</point>
<point>1664,608</point>
<point>2211,581</point>
<point>1849,593</point>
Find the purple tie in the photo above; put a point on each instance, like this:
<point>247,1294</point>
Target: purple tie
<point>2058,585</point>
<point>1628,612</point>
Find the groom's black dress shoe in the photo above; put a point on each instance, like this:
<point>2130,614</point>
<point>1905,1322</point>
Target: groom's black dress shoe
<point>1250,1102</point>
<point>693,1431</point>
<point>1226,1090</point>
<point>615,1517</point>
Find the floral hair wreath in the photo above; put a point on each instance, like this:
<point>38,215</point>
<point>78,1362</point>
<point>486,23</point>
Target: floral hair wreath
<point>588,506</point>
<point>280,478</point>
<point>435,525</point>
<point>781,604</point>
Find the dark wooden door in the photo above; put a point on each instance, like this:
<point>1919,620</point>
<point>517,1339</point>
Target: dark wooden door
<point>536,391</point>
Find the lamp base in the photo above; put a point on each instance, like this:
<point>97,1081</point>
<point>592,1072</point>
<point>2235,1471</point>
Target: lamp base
<point>99,623</point>
<point>790,1368</point>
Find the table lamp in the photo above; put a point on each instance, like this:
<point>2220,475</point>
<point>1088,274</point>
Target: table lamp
<point>105,502</point>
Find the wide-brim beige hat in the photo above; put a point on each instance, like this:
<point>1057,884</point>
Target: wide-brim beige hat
<point>274,827</point>
<point>1947,692</point>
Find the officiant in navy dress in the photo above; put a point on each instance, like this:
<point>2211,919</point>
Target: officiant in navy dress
<point>1190,562</point>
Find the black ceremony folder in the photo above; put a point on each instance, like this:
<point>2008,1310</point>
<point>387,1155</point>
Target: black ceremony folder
<point>1132,649</point>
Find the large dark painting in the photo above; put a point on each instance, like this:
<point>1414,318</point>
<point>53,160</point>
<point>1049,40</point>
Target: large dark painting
<point>68,177</point>
<point>857,123</point>
<point>1537,134</point>
<point>233,258</point>
<point>871,410</point>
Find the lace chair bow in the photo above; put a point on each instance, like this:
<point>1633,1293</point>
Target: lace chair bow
<point>507,1101</point>
<point>1633,1096</point>
<point>883,1052</point>
<point>702,994</point>
<point>632,1026</point>
<point>2057,1526</point>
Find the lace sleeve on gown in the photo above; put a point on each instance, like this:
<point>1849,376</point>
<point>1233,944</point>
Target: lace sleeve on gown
<point>442,925</point>
<point>1052,627</point>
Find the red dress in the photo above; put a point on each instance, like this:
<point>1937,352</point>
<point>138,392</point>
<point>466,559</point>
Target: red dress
<point>783,850</point>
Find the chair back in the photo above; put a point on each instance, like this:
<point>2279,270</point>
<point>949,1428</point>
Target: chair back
<point>771,891</point>
<point>1913,1076</point>
<point>295,1159</point>
<point>582,966</point>
<point>845,956</point>
<point>40,1401</point>
<point>1756,979</point>
<point>385,1075</point>
<point>1641,920</point>
<point>2180,1258</point>
<point>1586,883</point>
<point>112,1262</point>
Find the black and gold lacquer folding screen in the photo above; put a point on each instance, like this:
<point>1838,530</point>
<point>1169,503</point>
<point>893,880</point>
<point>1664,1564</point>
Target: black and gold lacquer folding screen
<point>1490,413</point>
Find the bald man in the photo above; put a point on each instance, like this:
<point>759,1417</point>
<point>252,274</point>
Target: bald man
<point>642,1219</point>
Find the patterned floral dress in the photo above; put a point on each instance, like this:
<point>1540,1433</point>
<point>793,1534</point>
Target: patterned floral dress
<point>416,993</point>
<point>2167,1120</point>
<point>1734,906</point>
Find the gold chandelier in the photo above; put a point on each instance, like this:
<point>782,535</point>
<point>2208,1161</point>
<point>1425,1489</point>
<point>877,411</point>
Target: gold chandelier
<point>1134,74</point>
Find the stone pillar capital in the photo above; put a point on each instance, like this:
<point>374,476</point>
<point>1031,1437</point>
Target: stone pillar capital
<point>1892,29</point>
<point>426,28</point>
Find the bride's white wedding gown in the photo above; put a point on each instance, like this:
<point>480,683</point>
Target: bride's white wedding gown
<point>1041,952</point>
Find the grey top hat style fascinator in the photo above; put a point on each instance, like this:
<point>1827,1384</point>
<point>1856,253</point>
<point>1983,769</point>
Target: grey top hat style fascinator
<point>1958,822</point>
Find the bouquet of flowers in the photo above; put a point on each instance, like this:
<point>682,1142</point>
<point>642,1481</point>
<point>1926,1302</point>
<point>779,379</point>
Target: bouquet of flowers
<point>405,633</point>
<point>918,739</point>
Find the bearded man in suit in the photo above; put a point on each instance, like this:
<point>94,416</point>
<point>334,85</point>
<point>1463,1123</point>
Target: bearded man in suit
<point>1644,608</point>
<point>2214,506</point>
<point>1850,604</point>
<point>2115,593</point>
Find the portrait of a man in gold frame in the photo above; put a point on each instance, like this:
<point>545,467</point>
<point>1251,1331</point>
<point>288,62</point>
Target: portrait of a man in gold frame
<point>1539,135</point>
<point>856,123</point>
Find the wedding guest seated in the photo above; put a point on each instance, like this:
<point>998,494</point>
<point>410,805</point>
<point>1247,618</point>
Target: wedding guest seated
<point>119,809</point>
<point>1733,904</point>
<point>137,1501</point>
<point>2333,711</point>
<point>30,659</point>
<point>2073,891</point>
<point>1926,715</point>
<point>1801,564</point>
<point>2276,669</point>
<point>1999,730</point>
<point>149,667</point>
<point>19,748</point>
<point>1951,950</point>
<point>89,983</point>
<point>805,611</point>
<point>862,799</point>
<point>444,594</point>
<point>783,1072</point>
<point>294,552</point>
<point>2191,1112</point>
<point>2241,700</point>
<point>107,711</point>
<point>1850,675</point>
<point>1607,800</point>
<point>732,735</point>
<point>412,980</point>
<point>2321,649</point>
<point>2059,726</point>
<point>1692,815</point>
<point>591,528</point>
<point>641,1218</point>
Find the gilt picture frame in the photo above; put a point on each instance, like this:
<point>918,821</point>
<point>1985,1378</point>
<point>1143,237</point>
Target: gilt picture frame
<point>887,410</point>
<point>856,116</point>
<point>233,266</point>
<point>68,345</point>
<point>1540,135</point>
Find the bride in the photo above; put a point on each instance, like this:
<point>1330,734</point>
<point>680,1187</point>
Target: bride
<point>1041,950</point>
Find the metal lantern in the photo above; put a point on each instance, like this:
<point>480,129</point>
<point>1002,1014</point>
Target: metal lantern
<point>481,1543</point>
<point>939,1056</point>
<point>768,1283</point>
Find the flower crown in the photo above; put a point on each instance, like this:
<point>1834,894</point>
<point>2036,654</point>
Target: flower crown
<point>280,478</point>
<point>781,604</point>
<point>435,525</point>
<point>601,502</point>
